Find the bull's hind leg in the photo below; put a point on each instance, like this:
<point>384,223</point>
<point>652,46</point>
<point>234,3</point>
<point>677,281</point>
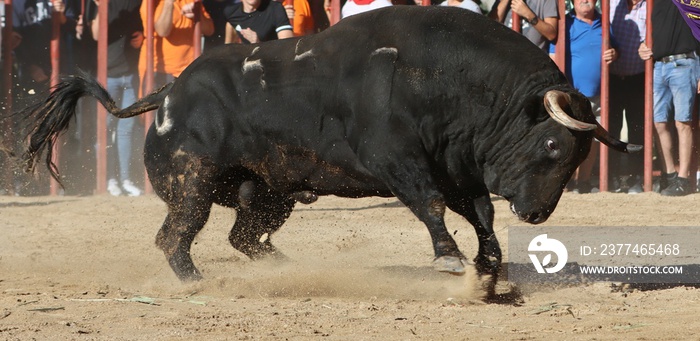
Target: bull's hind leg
<point>177,234</point>
<point>188,194</point>
<point>261,214</point>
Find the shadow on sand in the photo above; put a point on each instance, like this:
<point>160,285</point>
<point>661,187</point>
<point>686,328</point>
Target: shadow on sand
<point>31,204</point>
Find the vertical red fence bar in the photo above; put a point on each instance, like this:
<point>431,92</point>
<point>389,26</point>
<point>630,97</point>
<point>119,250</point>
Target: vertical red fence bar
<point>148,82</point>
<point>55,71</point>
<point>7,85</point>
<point>101,122</point>
<point>694,150</point>
<point>516,24</point>
<point>335,11</point>
<point>560,49</point>
<point>604,94</point>
<point>648,106</point>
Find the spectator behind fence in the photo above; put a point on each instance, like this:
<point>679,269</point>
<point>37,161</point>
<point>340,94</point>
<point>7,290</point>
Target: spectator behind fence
<point>676,69</point>
<point>319,14</point>
<point>584,41</point>
<point>215,8</point>
<point>626,103</point>
<point>466,4</point>
<point>31,41</point>
<point>173,47</point>
<point>70,57</point>
<point>125,37</point>
<point>353,7</point>
<point>690,10</point>
<point>302,18</point>
<point>253,21</point>
<point>299,12</point>
<point>540,16</point>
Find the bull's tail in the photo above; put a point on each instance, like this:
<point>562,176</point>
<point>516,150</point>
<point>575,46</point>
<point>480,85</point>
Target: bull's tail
<point>51,117</point>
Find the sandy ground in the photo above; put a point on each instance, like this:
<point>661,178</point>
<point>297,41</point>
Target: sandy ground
<point>86,268</point>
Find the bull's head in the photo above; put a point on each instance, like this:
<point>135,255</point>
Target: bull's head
<point>534,177</point>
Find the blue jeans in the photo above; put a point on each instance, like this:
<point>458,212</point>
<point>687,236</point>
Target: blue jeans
<point>675,87</point>
<point>120,131</point>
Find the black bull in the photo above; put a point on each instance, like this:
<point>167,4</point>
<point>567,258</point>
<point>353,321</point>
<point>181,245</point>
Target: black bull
<point>438,107</point>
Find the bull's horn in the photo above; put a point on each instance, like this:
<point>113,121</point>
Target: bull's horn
<point>603,136</point>
<point>552,103</point>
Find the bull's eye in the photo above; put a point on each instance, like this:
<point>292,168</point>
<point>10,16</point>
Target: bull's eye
<point>551,146</point>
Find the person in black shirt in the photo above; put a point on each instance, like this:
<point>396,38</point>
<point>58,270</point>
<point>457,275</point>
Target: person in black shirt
<point>676,74</point>
<point>254,21</point>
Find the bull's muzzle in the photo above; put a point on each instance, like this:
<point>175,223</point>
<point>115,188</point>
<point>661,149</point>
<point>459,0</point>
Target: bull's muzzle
<point>530,217</point>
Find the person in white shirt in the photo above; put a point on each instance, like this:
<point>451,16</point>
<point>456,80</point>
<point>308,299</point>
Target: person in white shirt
<point>466,4</point>
<point>353,7</point>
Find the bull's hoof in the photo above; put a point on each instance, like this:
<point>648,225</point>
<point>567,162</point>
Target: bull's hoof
<point>278,257</point>
<point>269,255</point>
<point>305,197</point>
<point>488,284</point>
<point>485,265</point>
<point>188,276</point>
<point>488,268</point>
<point>450,264</point>
<point>182,265</point>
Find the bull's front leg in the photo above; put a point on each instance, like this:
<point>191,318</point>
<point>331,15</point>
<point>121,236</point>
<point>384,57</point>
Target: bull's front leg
<point>448,257</point>
<point>479,212</point>
<point>405,168</point>
<point>488,260</point>
<point>428,205</point>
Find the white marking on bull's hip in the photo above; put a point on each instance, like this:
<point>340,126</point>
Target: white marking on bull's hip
<point>164,127</point>
<point>307,54</point>
<point>255,50</point>
<point>251,65</point>
<point>179,152</point>
<point>390,50</point>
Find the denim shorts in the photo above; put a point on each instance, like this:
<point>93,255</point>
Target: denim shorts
<point>675,88</point>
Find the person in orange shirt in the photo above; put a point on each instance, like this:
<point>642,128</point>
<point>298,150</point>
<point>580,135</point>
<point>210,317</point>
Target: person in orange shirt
<point>173,21</point>
<point>303,20</point>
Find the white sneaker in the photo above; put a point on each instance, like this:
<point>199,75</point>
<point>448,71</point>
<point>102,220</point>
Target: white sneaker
<point>113,187</point>
<point>130,189</point>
